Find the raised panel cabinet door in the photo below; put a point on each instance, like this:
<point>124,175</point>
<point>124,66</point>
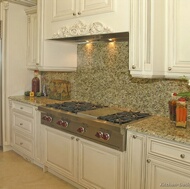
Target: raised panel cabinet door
<point>178,37</point>
<point>90,7</point>
<point>99,166</point>
<point>135,162</point>
<point>62,10</point>
<point>59,153</point>
<point>161,174</point>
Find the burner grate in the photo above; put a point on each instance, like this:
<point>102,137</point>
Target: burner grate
<point>123,117</point>
<point>74,107</point>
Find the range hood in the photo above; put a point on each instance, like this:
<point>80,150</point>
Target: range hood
<point>108,37</point>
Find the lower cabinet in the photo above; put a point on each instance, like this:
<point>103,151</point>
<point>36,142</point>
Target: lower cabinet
<point>154,163</point>
<point>88,164</point>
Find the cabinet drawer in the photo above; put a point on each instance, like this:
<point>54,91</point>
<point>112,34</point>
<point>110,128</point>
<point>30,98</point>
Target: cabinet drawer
<point>24,108</point>
<point>23,123</point>
<point>169,150</point>
<point>23,144</point>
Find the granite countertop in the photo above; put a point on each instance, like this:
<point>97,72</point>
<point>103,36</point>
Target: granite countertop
<point>35,101</point>
<point>161,127</point>
<point>154,125</point>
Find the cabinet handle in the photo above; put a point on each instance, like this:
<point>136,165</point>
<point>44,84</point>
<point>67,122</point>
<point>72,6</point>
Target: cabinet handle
<point>72,138</point>
<point>79,13</point>
<point>74,14</point>
<point>134,136</point>
<point>148,160</point>
<point>169,68</point>
<point>133,66</point>
<point>77,139</point>
<point>182,156</point>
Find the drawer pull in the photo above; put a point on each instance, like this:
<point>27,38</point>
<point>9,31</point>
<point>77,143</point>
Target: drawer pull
<point>182,156</point>
<point>21,143</point>
<point>148,160</point>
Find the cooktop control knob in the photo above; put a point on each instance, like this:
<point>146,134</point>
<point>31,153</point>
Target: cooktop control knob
<point>99,134</point>
<point>62,123</point>
<point>106,136</point>
<point>49,119</point>
<point>81,130</point>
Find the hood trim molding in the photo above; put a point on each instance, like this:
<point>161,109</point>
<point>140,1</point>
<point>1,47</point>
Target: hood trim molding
<point>81,29</point>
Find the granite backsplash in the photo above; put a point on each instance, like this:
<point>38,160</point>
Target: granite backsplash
<point>103,77</point>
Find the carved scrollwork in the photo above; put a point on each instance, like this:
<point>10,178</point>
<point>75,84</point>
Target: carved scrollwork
<point>79,29</point>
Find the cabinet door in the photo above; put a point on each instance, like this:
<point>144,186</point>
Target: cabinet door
<point>59,153</point>
<point>147,37</point>
<point>89,7</point>
<point>99,166</point>
<point>135,166</point>
<point>32,38</point>
<point>178,38</point>
<point>62,10</point>
<point>168,175</point>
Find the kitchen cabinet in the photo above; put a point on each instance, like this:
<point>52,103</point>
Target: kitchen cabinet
<point>32,57</point>
<point>178,39</point>
<point>136,157</point>
<point>147,39</point>
<point>79,17</point>
<point>168,164</point>
<point>68,9</point>
<point>26,131</point>
<point>156,163</point>
<point>88,164</point>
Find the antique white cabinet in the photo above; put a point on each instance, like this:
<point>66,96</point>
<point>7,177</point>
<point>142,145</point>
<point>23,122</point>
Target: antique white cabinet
<point>32,57</point>
<point>168,164</point>
<point>68,9</point>
<point>147,40</point>
<point>64,16</point>
<point>136,157</point>
<point>178,38</point>
<point>26,131</point>
<point>156,163</point>
<point>85,163</point>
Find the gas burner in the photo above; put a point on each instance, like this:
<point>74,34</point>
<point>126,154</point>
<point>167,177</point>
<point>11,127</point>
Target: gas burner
<point>74,106</point>
<point>123,117</point>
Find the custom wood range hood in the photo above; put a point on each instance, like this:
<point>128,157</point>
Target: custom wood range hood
<point>23,2</point>
<point>106,37</point>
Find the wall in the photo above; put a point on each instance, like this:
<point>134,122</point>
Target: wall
<point>103,77</point>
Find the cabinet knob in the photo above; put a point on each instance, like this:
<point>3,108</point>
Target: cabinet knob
<point>21,143</point>
<point>37,64</point>
<point>21,108</point>
<point>169,68</point>
<point>79,13</point>
<point>72,138</point>
<point>182,156</point>
<point>77,139</point>
<point>74,14</point>
<point>134,136</point>
<point>133,66</point>
<point>148,160</point>
<point>21,124</point>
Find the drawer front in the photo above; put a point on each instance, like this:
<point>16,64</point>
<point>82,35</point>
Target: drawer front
<point>23,123</point>
<point>23,108</point>
<point>23,144</point>
<point>168,150</point>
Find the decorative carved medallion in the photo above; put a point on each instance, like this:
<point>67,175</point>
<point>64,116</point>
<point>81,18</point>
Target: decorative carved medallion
<point>79,29</point>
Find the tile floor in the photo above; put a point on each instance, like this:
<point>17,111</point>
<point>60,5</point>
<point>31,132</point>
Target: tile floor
<point>17,173</point>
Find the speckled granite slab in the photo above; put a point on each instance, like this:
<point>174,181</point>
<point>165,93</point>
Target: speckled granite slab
<point>161,127</point>
<point>36,101</point>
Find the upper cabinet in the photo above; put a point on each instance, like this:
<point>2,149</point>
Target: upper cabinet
<point>146,50</point>
<point>159,38</point>
<point>68,9</point>
<point>62,17</point>
<point>178,38</point>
